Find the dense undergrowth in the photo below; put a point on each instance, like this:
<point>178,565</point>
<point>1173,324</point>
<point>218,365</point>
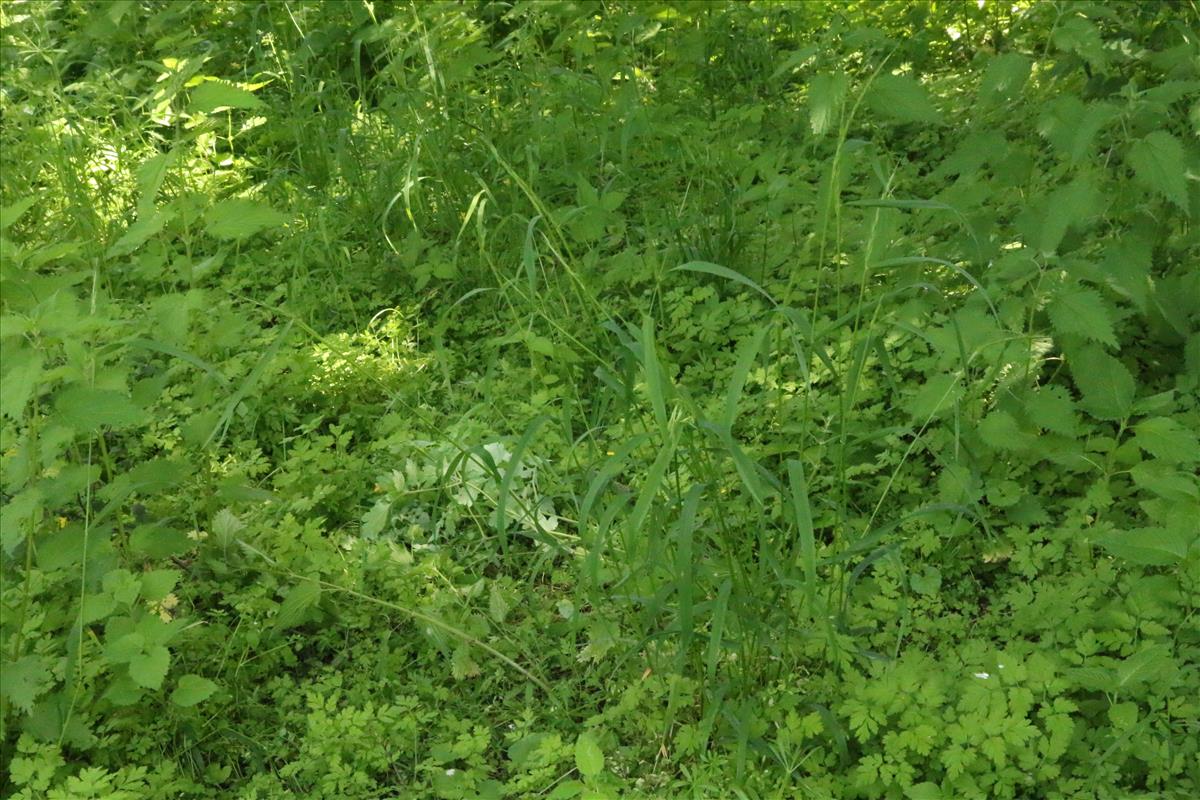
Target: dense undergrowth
<point>600,399</point>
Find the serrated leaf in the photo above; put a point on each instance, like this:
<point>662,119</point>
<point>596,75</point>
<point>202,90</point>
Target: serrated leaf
<point>1079,311</point>
<point>1158,164</point>
<point>903,99</point>
<point>238,218</point>
<point>148,669</point>
<point>826,94</point>
<point>23,369</point>
<point>1051,408</point>
<point>213,95</point>
<point>192,689</point>
<point>375,520</point>
<point>1000,430</point>
<point>14,211</point>
<point>1150,547</point>
<point>147,226</point>
<point>295,606</point>
<point>1166,439</point>
<point>88,410</point>
<point>1106,385</point>
<point>1004,77</point>
<point>1071,126</point>
<point>935,398</point>
<point>24,680</point>
<point>589,758</point>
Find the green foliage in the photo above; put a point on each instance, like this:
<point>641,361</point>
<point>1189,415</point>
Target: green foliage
<point>586,400</point>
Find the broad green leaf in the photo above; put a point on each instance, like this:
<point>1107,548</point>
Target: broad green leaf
<point>88,410</point>
<point>192,689</point>
<point>1079,311</point>
<point>903,99</point>
<point>1051,408</point>
<point>158,583</point>
<point>24,680</point>
<point>1045,222</point>
<point>924,791</point>
<point>1000,430</point>
<point>22,370</point>
<point>146,227</point>
<point>826,94</point>
<point>1105,383</point>
<point>375,520</point>
<point>296,604</point>
<point>589,758</point>
<point>1149,664</point>
<point>19,516</point>
<point>238,218</point>
<point>150,176</point>
<point>1158,164</point>
<point>12,212</point>
<point>936,397</point>
<point>1168,440</point>
<point>1151,547</point>
<point>1071,126</point>
<point>1004,77</point>
<point>214,95</point>
<point>157,541</point>
<point>148,669</point>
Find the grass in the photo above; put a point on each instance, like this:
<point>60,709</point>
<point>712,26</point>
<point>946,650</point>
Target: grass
<point>516,400</point>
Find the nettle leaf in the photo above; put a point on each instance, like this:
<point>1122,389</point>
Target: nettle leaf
<point>826,94</point>
<point>903,99</point>
<point>1000,430</point>
<point>216,95</point>
<point>1071,126</point>
<point>88,410</point>
<point>1079,311</point>
<point>238,218</point>
<point>23,369</point>
<point>1168,440</point>
<point>192,689</point>
<point>1046,222</point>
<point>1051,408</point>
<point>149,668</point>
<point>937,397</point>
<point>1158,163</point>
<point>1105,383</point>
